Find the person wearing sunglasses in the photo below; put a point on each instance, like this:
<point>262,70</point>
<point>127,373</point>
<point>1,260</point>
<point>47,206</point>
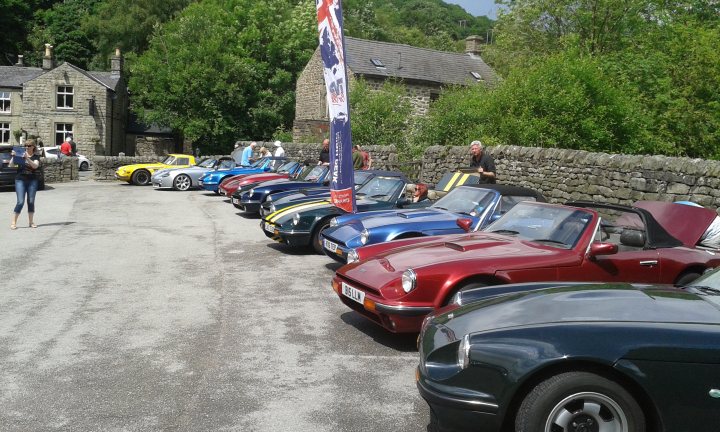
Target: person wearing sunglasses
<point>26,183</point>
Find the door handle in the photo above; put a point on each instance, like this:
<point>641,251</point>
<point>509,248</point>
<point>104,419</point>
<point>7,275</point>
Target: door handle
<point>648,263</point>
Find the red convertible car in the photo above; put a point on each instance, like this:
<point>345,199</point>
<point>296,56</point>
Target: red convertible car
<point>396,284</point>
<point>231,184</point>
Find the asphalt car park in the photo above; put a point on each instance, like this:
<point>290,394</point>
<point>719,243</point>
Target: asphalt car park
<point>131,308</point>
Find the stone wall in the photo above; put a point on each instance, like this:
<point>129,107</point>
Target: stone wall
<point>383,157</point>
<point>155,146</point>
<point>60,170</point>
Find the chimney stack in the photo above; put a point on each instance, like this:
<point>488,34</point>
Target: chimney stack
<point>49,58</point>
<point>20,62</point>
<point>474,45</point>
<point>116,64</point>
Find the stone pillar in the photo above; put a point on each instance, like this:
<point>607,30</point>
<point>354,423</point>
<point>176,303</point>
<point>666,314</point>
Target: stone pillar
<point>48,58</point>
<point>116,64</point>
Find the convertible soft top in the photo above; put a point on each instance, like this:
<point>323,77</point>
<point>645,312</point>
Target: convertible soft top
<point>685,223</point>
<point>504,189</point>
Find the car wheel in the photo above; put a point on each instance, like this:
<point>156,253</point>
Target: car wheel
<point>579,401</point>
<point>317,236</point>
<point>182,182</point>
<point>686,279</point>
<point>140,178</point>
<point>84,166</point>
<point>469,286</point>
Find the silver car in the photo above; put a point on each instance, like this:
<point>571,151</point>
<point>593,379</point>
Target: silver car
<point>183,179</point>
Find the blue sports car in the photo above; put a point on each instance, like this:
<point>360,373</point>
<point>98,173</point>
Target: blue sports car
<point>211,180</point>
<point>469,208</point>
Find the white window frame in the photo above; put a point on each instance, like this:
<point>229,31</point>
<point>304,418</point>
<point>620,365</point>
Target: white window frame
<point>65,94</point>
<point>5,96</point>
<point>62,133</point>
<point>5,133</point>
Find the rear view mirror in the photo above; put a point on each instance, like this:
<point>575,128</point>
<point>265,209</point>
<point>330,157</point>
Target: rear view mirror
<point>597,249</point>
<point>465,224</point>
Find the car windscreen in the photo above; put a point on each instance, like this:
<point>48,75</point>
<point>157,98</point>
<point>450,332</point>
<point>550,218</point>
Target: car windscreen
<point>226,164</point>
<point>314,174</point>
<point>259,163</point>
<point>287,167</point>
<point>168,160</point>
<point>381,188</point>
<point>708,285</point>
<point>467,200</point>
<point>550,225</point>
<point>361,177</point>
<point>206,163</point>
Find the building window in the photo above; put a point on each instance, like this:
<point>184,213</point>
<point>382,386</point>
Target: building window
<point>61,131</point>
<point>4,133</point>
<point>4,102</point>
<point>65,97</point>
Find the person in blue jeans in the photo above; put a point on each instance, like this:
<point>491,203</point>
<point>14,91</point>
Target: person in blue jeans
<point>27,180</point>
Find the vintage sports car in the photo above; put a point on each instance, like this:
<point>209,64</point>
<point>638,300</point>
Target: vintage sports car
<point>280,200</point>
<point>396,283</point>
<point>575,357</point>
<point>479,204</point>
<point>211,180</point>
<point>251,200</point>
<point>140,174</point>
<point>183,179</point>
<point>302,224</point>
<point>231,184</point>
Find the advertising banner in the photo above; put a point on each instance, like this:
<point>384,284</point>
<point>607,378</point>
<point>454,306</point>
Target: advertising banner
<point>332,48</point>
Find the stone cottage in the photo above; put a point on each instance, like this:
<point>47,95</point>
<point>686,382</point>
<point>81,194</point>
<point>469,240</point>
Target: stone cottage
<point>56,100</point>
<point>424,72</point>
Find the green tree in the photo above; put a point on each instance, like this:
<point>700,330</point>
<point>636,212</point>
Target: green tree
<point>379,117</point>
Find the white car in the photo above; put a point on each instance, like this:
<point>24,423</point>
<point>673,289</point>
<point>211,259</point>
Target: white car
<point>53,152</point>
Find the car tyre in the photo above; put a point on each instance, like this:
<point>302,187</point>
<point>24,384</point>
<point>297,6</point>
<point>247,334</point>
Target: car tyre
<point>182,182</point>
<point>317,236</point>
<point>579,401</point>
<point>686,279</point>
<point>84,166</point>
<point>140,178</point>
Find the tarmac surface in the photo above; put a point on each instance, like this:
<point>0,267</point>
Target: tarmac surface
<point>133,309</point>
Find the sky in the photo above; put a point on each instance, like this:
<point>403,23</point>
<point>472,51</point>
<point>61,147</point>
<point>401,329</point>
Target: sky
<point>477,7</point>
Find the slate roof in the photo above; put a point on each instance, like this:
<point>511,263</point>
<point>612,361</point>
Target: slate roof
<point>136,126</point>
<point>16,76</point>
<point>413,63</point>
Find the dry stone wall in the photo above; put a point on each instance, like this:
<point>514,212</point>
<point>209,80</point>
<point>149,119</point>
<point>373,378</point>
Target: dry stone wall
<point>60,170</point>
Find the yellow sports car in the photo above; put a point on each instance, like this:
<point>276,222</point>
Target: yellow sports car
<point>139,174</point>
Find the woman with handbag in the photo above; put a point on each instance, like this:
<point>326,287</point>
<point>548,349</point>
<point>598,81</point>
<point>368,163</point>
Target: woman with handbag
<point>26,182</point>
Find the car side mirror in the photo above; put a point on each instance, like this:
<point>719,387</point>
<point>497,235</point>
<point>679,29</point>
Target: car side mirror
<point>465,224</point>
<point>403,201</point>
<point>598,249</point>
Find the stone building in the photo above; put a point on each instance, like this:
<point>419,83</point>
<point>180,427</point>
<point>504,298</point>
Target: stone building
<point>424,72</point>
<point>56,100</point>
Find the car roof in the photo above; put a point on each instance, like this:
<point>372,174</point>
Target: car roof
<point>673,217</point>
<point>657,236</point>
<point>504,189</point>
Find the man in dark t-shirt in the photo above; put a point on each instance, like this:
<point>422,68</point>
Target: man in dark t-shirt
<point>483,162</point>
<point>324,158</point>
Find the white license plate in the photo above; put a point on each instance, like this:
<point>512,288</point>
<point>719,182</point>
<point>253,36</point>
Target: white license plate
<point>270,228</point>
<point>235,201</point>
<point>352,293</point>
<point>332,247</point>
<point>157,185</point>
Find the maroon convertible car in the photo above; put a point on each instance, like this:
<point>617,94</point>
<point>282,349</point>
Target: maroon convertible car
<point>396,284</point>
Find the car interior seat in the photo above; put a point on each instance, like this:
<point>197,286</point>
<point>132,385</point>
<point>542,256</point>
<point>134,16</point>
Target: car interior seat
<point>632,239</point>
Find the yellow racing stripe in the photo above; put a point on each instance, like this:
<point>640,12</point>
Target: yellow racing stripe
<point>294,208</point>
<point>450,184</point>
<point>462,180</point>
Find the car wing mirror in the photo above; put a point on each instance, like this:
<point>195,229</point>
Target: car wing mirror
<point>465,224</point>
<point>598,249</point>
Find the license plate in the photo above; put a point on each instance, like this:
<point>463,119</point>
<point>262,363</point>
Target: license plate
<point>270,228</point>
<point>235,201</point>
<point>157,185</point>
<point>332,247</point>
<point>352,293</point>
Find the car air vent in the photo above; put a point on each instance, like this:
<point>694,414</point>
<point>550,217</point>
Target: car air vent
<point>455,246</point>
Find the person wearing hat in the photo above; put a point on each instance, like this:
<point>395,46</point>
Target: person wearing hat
<point>484,163</point>
<point>279,150</point>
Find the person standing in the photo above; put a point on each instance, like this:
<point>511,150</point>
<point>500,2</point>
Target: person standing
<point>246,158</point>
<point>264,152</point>
<point>27,181</point>
<point>367,161</point>
<point>484,163</point>
<point>279,150</point>
<point>357,157</point>
<point>66,147</point>
<point>73,145</point>
<point>324,158</point>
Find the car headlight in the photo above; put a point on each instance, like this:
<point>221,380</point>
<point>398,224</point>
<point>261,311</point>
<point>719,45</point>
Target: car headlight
<point>269,198</point>
<point>296,219</point>
<point>333,222</point>
<point>272,208</point>
<point>409,279</point>
<point>364,236</point>
<point>252,191</point>
<point>352,256</point>
<point>464,352</point>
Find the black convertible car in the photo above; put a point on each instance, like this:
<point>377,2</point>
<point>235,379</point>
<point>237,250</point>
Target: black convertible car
<point>549,357</point>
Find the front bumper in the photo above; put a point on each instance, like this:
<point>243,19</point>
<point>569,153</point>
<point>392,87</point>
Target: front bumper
<point>339,252</point>
<point>250,206</point>
<point>455,412</point>
<point>212,186</point>
<point>395,317</point>
<point>290,238</point>
<point>162,182</point>
<point>123,176</point>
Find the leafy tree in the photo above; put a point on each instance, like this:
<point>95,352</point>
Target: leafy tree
<point>379,117</point>
<point>225,69</point>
